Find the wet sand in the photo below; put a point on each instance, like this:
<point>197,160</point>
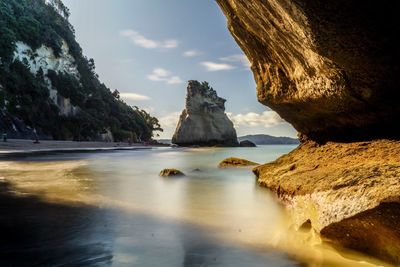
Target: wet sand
<point>22,145</point>
<point>39,233</point>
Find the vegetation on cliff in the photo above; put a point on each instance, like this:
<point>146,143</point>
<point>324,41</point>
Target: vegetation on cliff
<point>26,95</point>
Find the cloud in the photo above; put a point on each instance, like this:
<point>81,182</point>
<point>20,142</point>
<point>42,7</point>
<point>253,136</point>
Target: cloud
<point>169,123</point>
<point>238,58</point>
<point>163,75</point>
<point>142,41</point>
<point>266,119</point>
<point>170,120</point>
<point>213,66</point>
<point>192,53</point>
<point>133,97</point>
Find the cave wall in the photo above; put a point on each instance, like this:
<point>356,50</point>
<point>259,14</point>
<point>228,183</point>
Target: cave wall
<point>330,68</point>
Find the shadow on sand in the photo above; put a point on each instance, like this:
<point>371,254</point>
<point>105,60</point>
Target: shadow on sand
<point>37,233</point>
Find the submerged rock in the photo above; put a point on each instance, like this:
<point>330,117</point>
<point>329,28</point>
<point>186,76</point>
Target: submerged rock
<point>236,162</point>
<point>330,68</point>
<point>247,143</point>
<point>203,122</point>
<point>171,172</point>
<point>350,192</point>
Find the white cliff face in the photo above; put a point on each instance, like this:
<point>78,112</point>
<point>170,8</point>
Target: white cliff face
<point>203,121</point>
<point>44,58</point>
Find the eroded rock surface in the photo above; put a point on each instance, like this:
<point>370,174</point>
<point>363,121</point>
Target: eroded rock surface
<point>236,162</point>
<point>171,173</point>
<point>330,68</point>
<point>203,122</point>
<point>349,191</point>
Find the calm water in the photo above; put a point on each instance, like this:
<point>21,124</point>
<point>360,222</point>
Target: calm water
<point>112,209</point>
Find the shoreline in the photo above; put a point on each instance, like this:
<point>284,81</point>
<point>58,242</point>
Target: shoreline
<point>18,147</point>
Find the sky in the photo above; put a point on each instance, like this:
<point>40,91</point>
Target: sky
<point>149,49</point>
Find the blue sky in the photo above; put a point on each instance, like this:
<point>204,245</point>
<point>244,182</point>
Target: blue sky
<point>149,49</point>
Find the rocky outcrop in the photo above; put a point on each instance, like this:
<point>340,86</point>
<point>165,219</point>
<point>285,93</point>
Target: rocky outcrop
<point>349,191</point>
<point>236,162</point>
<point>44,59</point>
<point>203,121</point>
<point>330,68</point>
<point>247,143</point>
<point>171,173</point>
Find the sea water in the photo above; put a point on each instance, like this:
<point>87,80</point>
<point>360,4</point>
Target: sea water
<point>112,209</point>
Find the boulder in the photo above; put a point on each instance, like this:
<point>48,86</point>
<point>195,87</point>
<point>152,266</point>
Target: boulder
<point>203,122</point>
<point>247,143</point>
<point>171,173</point>
<point>236,162</point>
<point>330,68</point>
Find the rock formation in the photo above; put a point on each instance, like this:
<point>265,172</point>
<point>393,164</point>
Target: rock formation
<point>330,68</point>
<point>247,143</point>
<point>349,191</point>
<point>236,162</point>
<point>203,121</point>
<point>171,173</point>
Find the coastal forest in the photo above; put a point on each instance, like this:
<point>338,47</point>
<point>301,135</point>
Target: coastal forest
<point>25,95</point>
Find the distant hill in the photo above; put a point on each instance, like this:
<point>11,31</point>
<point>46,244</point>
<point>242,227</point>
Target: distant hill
<point>264,139</point>
<point>258,139</point>
<point>165,141</point>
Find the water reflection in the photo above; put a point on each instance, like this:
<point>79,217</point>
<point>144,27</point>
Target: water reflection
<point>113,210</point>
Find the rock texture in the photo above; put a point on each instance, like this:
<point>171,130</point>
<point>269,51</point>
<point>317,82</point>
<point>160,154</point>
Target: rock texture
<point>44,59</point>
<point>236,162</point>
<point>203,121</point>
<point>330,68</point>
<point>247,143</point>
<point>171,173</point>
<point>349,191</point>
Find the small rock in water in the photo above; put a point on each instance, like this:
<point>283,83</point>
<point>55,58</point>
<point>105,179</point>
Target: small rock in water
<point>171,172</point>
<point>247,143</point>
<point>236,162</point>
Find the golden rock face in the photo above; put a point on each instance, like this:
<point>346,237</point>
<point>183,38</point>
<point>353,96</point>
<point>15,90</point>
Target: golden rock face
<point>350,192</point>
<point>327,67</point>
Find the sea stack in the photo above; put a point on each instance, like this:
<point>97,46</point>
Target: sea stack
<point>204,122</point>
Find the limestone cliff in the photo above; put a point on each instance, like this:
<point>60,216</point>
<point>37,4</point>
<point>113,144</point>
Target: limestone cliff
<point>330,68</point>
<point>203,121</point>
<point>44,59</point>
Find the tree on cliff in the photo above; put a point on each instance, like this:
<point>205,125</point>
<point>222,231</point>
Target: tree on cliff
<point>26,95</point>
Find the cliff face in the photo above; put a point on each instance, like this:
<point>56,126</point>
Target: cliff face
<point>43,59</point>
<point>330,68</point>
<point>47,84</point>
<point>203,121</point>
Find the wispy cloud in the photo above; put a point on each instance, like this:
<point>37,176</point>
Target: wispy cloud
<point>163,75</point>
<point>142,41</point>
<point>238,58</point>
<point>133,97</point>
<point>192,53</point>
<point>170,120</point>
<point>266,119</point>
<point>214,66</point>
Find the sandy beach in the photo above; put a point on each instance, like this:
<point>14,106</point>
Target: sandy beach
<point>18,145</point>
